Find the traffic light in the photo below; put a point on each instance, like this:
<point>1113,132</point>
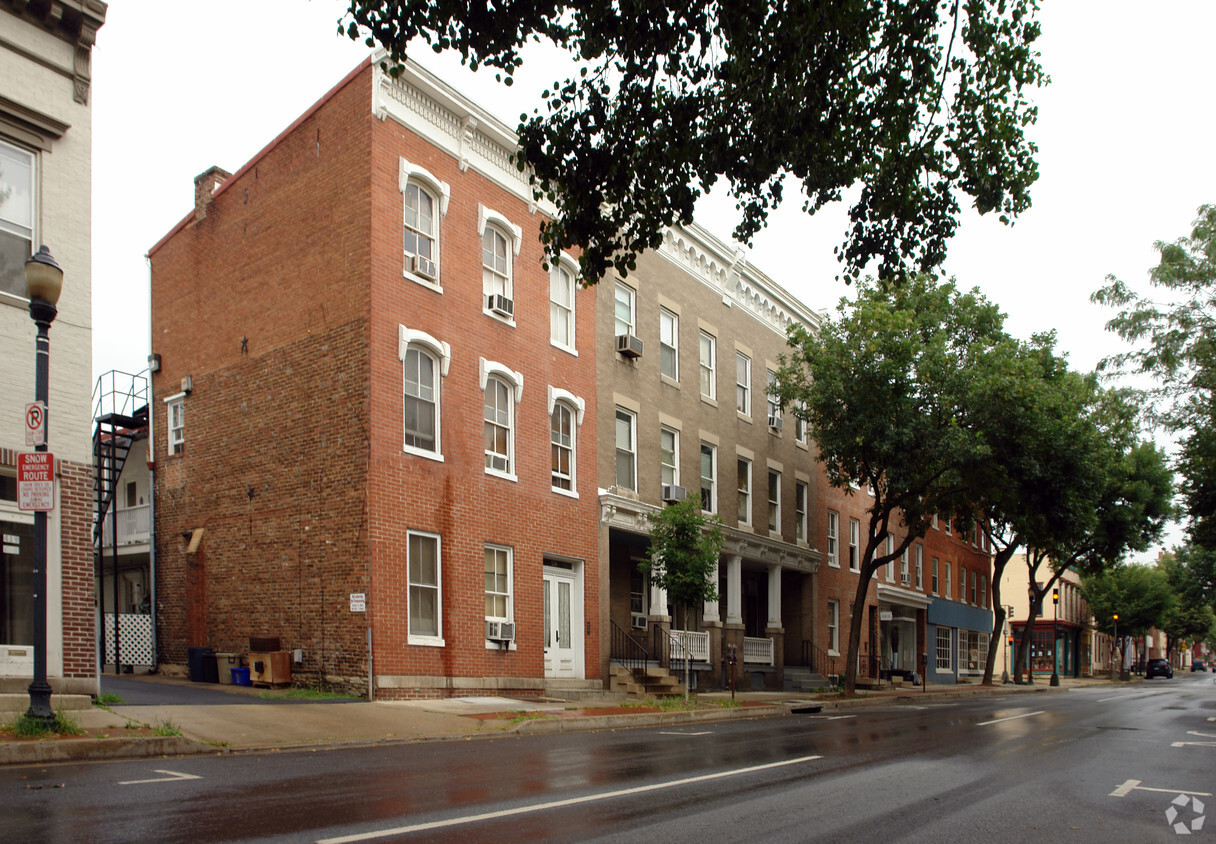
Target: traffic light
<point>1055,595</point>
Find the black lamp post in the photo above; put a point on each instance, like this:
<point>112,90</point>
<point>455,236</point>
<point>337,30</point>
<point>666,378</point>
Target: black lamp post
<point>1055,638</point>
<point>43,283</point>
<point>1116,649</point>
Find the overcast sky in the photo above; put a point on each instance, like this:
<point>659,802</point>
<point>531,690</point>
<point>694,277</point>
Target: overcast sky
<point>1124,135</point>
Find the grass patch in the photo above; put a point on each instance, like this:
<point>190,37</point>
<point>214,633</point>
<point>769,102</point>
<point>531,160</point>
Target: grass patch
<point>727,704</point>
<point>165,729</point>
<point>107,699</point>
<point>522,715</point>
<point>305,694</point>
<point>216,743</point>
<point>24,726</point>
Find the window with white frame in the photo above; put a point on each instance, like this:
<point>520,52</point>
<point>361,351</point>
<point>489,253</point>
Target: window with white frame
<point>833,538</point>
<point>801,427</point>
<point>421,228</point>
<point>920,561</point>
<point>744,485</point>
<point>975,602</point>
<point>499,426</point>
<point>709,478</point>
<point>424,362</point>
<point>773,404</point>
<point>801,496</point>
<point>890,553</point>
<point>854,545</point>
<point>669,456</point>
<point>946,580</point>
<point>708,353</point>
<point>904,578</point>
<point>834,628</point>
<point>943,649</point>
<point>625,311</point>
<point>500,242</point>
<point>774,501</point>
<point>936,569</point>
<point>669,344</point>
<point>498,582</point>
<point>935,521</point>
<point>425,588</point>
<point>948,528</point>
<point>561,305</point>
<point>626,449</point>
<point>984,591</point>
<point>743,384</point>
<point>176,410</point>
<point>18,174</point>
<point>561,439</point>
<point>421,401</point>
<point>962,584</point>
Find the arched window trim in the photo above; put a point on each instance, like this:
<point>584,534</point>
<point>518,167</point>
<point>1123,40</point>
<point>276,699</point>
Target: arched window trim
<point>513,232</point>
<point>412,172</point>
<point>438,348</point>
<point>557,394</point>
<point>515,379</point>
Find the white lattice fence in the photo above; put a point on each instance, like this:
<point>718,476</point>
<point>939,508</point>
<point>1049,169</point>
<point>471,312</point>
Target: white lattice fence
<point>134,638</point>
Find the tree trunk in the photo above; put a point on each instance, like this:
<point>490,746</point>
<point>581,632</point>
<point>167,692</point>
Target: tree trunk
<point>998,610</point>
<point>859,610</point>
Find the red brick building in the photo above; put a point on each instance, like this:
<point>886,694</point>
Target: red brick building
<point>369,432</point>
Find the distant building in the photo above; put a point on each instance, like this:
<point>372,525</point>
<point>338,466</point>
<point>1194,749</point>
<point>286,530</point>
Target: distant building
<point>45,199</point>
<point>374,413</point>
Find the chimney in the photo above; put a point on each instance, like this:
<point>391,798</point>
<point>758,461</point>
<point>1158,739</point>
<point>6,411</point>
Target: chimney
<point>205,185</point>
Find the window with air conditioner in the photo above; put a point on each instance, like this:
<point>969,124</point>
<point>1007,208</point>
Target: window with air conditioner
<point>424,203</point>
<point>498,583</point>
<point>500,240</point>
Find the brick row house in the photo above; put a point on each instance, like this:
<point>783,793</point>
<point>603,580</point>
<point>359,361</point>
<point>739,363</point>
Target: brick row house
<point>386,434</point>
<point>374,442</point>
<point>46,199</point>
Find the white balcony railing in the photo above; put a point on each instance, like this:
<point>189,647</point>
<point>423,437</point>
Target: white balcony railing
<point>695,644</point>
<point>757,651</point>
<point>134,526</point>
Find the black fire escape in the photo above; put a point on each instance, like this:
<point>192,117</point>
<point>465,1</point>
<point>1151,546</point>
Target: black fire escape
<point>120,413</point>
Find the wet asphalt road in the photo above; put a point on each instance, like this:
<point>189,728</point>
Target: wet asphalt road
<point>1100,764</point>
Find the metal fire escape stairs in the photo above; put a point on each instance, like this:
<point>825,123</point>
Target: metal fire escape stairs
<point>120,419</point>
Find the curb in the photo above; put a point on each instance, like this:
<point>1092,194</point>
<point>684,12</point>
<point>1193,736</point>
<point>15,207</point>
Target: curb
<point>543,726</point>
<point>95,749</point>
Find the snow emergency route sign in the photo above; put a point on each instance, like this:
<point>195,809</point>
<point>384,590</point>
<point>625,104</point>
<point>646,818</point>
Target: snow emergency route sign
<point>36,481</point>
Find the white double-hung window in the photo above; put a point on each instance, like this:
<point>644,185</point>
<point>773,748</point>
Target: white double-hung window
<point>175,409</point>
<point>18,172</point>
<point>561,304</point>
<point>424,201</point>
<point>498,582</point>
<point>425,589</point>
<point>669,344</point>
<point>565,415</point>
<point>500,242</point>
<point>501,388</point>
<point>626,450</point>
<point>424,362</point>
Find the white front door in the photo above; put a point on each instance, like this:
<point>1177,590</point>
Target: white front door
<point>563,623</point>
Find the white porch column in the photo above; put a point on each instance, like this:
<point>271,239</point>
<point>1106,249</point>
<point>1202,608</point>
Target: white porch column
<point>711,607</point>
<point>658,601</point>
<point>734,589</point>
<point>774,596</point>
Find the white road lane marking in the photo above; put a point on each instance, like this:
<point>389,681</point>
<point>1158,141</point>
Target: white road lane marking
<point>172,776</point>
<point>702,733</point>
<point>1010,718</point>
<point>1134,785</point>
<point>557,804</point>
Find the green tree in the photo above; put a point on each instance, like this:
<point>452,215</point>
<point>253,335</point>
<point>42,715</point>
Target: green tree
<point>1173,334</point>
<point>918,104</point>
<point>884,389</point>
<point>683,557</point>
<point>1190,572</point>
<point>1038,480</point>
<point>1139,594</point>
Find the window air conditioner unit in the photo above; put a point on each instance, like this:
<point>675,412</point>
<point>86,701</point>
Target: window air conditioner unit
<point>905,579</point>
<point>637,620</point>
<point>424,267</point>
<point>776,423</point>
<point>673,493</point>
<point>500,305</point>
<point>500,631</point>
<point>629,346</point>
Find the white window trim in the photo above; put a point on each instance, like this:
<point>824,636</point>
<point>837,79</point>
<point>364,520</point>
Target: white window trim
<point>571,266</point>
<point>833,539</point>
<point>488,215</point>
<point>949,666</point>
<point>414,638</point>
<point>633,308</point>
<point>407,172</point>
<point>855,542</point>
<point>675,454</point>
<point>774,512</point>
<point>171,447</point>
<point>443,353</point>
<point>514,380</point>
<point>833,629</point>
<point>35,154</point>
<point>633,447</point>
<point>746,411</point>
<point>510,593</point>
<point>803,520</point>
<point>675,321</point>
<point>751,488</point>
<point>713,481</point>
<point>712,395</point>
<point>920,568</point>
<point>577,406</point>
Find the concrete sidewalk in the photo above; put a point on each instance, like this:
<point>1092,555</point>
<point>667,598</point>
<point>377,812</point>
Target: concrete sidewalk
<point>220,726</point>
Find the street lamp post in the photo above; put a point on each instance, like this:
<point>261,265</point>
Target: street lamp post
<point>43,283</point>
<point>1055,638</point>
<point>1115,649</point>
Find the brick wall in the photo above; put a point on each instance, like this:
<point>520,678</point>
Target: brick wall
<point>76,542</point>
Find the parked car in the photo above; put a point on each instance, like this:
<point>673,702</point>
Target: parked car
<point>1198,665</point>
<point>1158,668</point>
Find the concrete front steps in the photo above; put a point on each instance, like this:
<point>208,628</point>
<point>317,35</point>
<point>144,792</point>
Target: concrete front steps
<point>651,681</point>
<point>799,678</point>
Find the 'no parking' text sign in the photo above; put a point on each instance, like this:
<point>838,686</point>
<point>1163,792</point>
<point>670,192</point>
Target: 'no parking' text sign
<point>36,481</point>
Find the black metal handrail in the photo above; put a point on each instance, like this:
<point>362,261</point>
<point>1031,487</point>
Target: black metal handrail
<point>816,658</point>
<point>628,652</point>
